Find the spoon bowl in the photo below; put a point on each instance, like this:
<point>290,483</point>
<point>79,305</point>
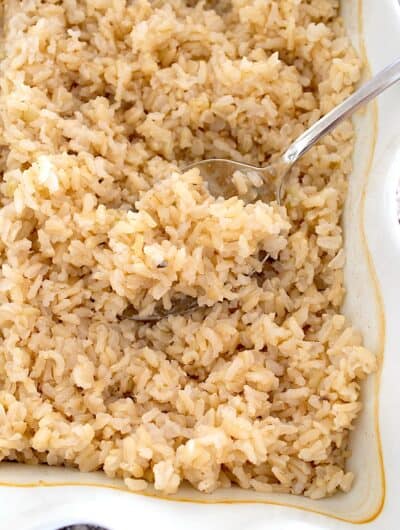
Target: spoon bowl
<point>228,178</point>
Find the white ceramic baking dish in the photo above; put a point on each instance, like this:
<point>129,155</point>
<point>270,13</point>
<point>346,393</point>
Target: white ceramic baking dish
<point>41,498</point>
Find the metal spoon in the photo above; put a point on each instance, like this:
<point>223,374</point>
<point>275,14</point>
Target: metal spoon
<point>218,171</point>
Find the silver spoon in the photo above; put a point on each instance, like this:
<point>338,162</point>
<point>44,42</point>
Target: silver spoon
<point>218,171</point>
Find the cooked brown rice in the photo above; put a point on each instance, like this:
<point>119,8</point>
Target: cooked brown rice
<point>102,101</point>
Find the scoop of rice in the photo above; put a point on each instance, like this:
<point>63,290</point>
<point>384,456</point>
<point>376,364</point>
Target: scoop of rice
<point>102,104</point>
<point>181,240</point>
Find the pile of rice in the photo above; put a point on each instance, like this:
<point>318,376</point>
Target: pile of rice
<point>103,102</point>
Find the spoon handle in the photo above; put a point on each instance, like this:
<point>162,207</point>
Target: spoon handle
<point>380,82</point>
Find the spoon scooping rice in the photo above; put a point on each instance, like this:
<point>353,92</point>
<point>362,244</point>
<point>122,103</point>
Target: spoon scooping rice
<point>228,178</point>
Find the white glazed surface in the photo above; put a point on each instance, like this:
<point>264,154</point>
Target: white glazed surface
<point>48,508</point>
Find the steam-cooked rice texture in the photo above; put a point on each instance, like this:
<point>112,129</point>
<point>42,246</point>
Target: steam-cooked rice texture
<point>103,102</point>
